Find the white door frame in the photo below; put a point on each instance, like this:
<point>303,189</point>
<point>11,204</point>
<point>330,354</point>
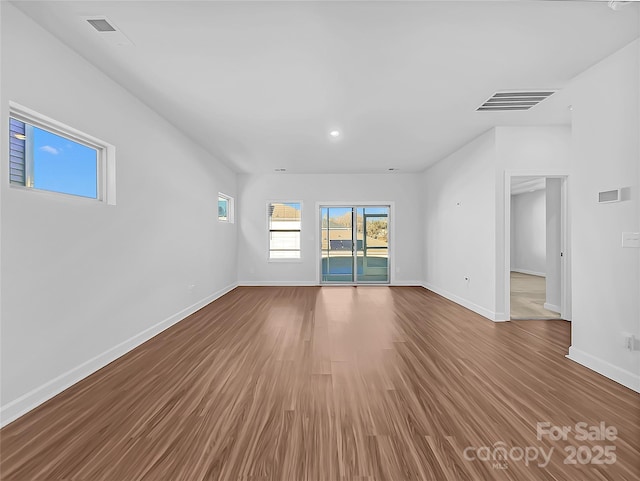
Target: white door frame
<point>565,238</point>
<point>391,240</point>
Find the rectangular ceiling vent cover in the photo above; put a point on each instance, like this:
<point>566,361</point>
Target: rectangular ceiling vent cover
<point>108,30</point>
<point>101,25</point>
<point>515,100</point>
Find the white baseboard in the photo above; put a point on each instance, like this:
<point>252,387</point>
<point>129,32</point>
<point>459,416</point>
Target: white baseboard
<point>531,273</point>
<point>552,307</point>
<point>276,283</point>
<point>615,373</point>
<point>25,403</point>
<point>492,316</point>
<point>309,283</point>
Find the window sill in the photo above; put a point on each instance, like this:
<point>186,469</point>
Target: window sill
<point>59,195</point>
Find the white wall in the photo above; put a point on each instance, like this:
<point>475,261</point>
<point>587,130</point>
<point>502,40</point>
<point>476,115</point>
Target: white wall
<point>553,193</point>
<point>255,191</point>
<point>606,285</point>
<point>523,150</point>
<point>530,243</point>
<point>80,277</point>
<point>459,217</point>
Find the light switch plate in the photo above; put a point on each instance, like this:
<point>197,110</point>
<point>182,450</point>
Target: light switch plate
<point>631,239</point>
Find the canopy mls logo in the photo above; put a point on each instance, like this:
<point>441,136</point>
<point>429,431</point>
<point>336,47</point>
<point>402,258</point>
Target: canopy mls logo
<point>596,452</point>
<point>499,454</point>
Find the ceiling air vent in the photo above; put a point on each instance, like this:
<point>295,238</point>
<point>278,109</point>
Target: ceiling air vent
<point>108,30</point>
<point>520,100</point>
<point>101,25</point>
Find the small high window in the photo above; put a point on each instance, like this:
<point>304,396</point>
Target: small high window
<point>46,155</point>
<point>225,208</point>
<point>285,220</point>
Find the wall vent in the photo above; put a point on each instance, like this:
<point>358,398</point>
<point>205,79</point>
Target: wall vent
<point>609,196</point>
<point>101,25</point>
<point>515,100</point>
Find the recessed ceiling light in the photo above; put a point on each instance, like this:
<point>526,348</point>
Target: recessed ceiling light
<point>280,170</point>
<point>393,169</point>
<point>334,133</point>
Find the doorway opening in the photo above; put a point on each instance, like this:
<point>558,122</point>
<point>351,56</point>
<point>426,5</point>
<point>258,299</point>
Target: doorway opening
<point>355,244</point>
<point>537,269</point>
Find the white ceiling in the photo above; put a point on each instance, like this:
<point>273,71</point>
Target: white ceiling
<point>260,84</point>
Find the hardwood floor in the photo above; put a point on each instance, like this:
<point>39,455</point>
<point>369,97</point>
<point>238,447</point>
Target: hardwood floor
<point>528,295</point>
<point>331,383</point>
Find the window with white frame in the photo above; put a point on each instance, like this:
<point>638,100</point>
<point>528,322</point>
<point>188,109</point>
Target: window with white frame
<point>225,208</point>
<point>47,155</point>
<point>285,219</point>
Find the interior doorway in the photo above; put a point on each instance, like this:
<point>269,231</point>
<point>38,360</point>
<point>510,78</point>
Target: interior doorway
<point>537,268</point>
<point>355,244</point>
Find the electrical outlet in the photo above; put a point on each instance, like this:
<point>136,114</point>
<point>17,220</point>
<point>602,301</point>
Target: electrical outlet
<point>630,342</point>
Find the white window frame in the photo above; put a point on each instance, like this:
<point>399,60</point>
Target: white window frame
<point>230,208</point>
<point>106,168</point>
<point>283,259</point>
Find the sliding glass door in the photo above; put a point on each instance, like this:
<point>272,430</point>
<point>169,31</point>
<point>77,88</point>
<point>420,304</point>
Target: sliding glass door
<point>355,244</point>
<point>372,250</point>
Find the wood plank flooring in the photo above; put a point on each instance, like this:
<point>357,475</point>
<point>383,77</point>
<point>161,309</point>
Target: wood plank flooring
<point>528,295</point>
<point>331,383</point>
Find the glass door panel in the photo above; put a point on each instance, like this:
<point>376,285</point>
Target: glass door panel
<point>337,244</point>
<point>373,244</point>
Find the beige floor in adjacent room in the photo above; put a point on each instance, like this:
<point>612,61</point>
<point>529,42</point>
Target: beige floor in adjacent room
<point>528,295</point>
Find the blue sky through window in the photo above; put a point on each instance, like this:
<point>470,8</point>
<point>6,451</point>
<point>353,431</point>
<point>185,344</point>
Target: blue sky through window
<point>62,165</point>
<point>375,210</point>
<point>222,208</point>
<point>339,211</point>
